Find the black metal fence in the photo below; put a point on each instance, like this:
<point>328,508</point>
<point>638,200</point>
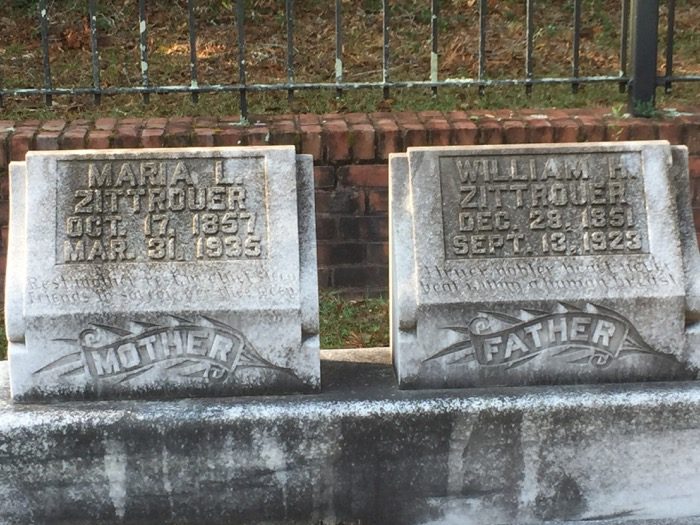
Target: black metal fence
<point>638,74</point>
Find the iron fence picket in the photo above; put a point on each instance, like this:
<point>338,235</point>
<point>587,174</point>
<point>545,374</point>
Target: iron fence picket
<point>143,49</point>
<point>192,30</point>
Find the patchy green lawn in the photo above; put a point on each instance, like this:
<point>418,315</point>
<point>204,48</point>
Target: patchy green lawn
<point>350,323</point>
<point>314,55</point>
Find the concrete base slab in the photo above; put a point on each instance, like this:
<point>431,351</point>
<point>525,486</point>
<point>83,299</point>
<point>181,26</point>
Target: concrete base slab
<point>362,452</point>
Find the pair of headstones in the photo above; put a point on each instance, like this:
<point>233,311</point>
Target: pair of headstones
<point>193,272</point>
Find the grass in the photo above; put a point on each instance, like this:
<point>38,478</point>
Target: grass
<point>314,55</point>
<point>349,323</point>
<point>345,323</point>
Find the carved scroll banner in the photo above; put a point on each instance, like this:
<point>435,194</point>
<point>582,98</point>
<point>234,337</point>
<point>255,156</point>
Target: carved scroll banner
<point>156,273</point>
<point>520,265</point>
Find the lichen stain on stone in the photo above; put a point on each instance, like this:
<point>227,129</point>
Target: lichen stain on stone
<point>564,499</point>
<point>115,471</point>
<point>274,457</point>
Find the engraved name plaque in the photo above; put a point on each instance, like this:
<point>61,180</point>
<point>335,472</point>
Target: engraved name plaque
<point>521,265</point>
<point>162,272</point>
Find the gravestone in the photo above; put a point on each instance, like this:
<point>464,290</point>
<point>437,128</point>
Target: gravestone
<point>542,264</point>
<point>149,273</point>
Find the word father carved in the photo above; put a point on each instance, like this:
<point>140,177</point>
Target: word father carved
<point>162,272</point>
<point>522,265</point>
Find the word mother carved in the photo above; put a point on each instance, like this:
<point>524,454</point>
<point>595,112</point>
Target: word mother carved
<point>162,272</point>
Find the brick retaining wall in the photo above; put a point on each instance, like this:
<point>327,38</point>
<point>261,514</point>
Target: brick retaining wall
<point>350,152</point>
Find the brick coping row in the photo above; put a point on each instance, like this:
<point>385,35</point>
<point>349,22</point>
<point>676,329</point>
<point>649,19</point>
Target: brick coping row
<point>349,137</point>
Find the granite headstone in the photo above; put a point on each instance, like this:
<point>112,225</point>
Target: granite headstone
<point>542,264</point>
<point>171,272</point>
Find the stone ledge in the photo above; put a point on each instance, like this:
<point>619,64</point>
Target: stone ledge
<point>360,452</point>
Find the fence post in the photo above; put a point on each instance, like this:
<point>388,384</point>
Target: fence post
<point>644,28</point>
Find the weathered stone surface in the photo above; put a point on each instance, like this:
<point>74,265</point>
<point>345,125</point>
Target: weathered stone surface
<point>602,454</point>
<point>517,265</point>
<point>162,272</point>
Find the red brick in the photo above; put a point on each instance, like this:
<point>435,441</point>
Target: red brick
<point>539,131</point>
<point>203,137</point>
<point>4,149</point>
<point>311,141</point>
<point>406,117</point>
<point>324,278</point>
<point>378,253</point>
<point>4,186</point>
<point>439,132</point>
<point>133,122</point>
<point>362,141</point>
<point>695,192</point>
<point>152,137</point>
<point>692,135</point>
<point>178,135</point>
<point>324,177</point>
<point>205,122</point>
<point>340,253</point>
<point>464,132</point>
<point>414,134</point>
<point>105,124</point>
<point>377,201</point>
<point>53,125</point>
<point>373,175</point>
<point>372,228</point>
<point>309,119</point>
<point>490,132</point>
<point>4,212</point>
<point>31,123</point>
<point>592,128</point>
<point>156,122</point>
<point>388,137</point>
<point>514,132</point>
<point>617,130</point>
<point>670,130</point>
<point>426,116</point>
<point>230,119</point>
<point>20,143</point>
<point>258,135</point>
<point>326,228</point>
<point>232,136</point>
<point>356,118</point>
<point>7,125</point>
<point>99,139</point>
<point>345,201</point>
<point>73,138</point>
<point>180,122</point>
<point>456,116</point>
<point>694,166</point>
<point>361,276</point>
<point>47,140</point>
<point>127,137</point>
<point>285,133</point>
<point>336,140</point>
<point>565,130</point>
<point>641,129</point>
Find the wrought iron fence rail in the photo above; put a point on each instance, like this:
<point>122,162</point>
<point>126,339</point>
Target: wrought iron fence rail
<point>637,16</point>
